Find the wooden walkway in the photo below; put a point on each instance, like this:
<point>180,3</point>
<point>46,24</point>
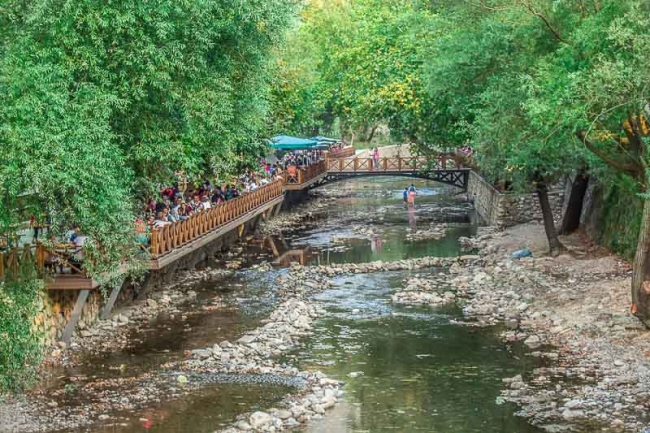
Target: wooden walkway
<point>177,240</point>
<point>305,177</point>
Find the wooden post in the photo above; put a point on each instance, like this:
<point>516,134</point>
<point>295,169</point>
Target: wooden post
<point>399,163</point>
<point>274,248</point>
<point>356,163</point>
<point>76,314</point>
<point>14,261</point>
<point>444,162</point>
<point>40,257</point>
<point>154,242</point>
<point>106,311</point>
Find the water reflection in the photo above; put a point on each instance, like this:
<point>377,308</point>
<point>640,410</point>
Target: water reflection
<point>408,369</point>
<point>337,233</point>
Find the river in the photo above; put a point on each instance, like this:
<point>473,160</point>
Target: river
<point>406,368</point>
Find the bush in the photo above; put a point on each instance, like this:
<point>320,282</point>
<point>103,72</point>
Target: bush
<point>20,343</point>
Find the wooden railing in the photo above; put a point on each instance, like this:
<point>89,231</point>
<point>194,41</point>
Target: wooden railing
<point>164,240</point>
<point>345,152</point>
<point>305,174</point>
<point>12,260</point>
<point>39,256</point>
<point>394,164</point>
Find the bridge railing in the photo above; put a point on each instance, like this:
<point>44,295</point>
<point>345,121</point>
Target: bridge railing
<point>166,239</point>
<point>44,260</point>
<point>394,164</point>
<point>345,152</point>
<point>302,175</point>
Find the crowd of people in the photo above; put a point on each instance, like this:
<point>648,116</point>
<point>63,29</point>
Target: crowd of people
<point>174,204</point>
<point>301,158</point>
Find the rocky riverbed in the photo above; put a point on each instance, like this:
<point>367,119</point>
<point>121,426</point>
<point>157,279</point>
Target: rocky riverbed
<point>571,311</point>
<point>296,217</point>
<point>377,318</point>
<point>113,334</point>
<point>256,353</point>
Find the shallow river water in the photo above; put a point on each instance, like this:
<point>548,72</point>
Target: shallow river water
<point>406,368</point>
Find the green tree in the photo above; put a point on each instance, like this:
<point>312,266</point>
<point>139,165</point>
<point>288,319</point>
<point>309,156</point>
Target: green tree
<point>101,101</point>
<point>365,68</point>
<point>595,90</point>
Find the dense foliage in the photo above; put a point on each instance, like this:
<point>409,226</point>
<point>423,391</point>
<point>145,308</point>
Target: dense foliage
<point>539,89</point>
<point>354,66</point>
<point>102,100</point>
<point>19,340</point>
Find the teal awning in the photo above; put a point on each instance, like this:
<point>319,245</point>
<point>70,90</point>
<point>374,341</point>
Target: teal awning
<point>286,142</point>
<point>321,139</point>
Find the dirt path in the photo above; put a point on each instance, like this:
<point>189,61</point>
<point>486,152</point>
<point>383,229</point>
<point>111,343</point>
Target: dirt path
<point>387,151</point>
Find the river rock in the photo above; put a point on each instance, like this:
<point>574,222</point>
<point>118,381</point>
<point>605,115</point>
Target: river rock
<point>284,414</point>
<point>533,342</point>
<point>243,425</point>
<point>201,353</point>
<point>247,339</point>
<point>260,419</point>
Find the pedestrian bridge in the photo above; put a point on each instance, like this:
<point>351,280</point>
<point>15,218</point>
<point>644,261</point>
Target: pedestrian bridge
<point>446,168</point>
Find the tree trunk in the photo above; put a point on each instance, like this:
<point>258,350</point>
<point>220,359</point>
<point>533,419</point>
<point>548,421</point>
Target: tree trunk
<point>571,220</point>
<point>554,244</point>
<point>372,133</point>
<point>640,280</point>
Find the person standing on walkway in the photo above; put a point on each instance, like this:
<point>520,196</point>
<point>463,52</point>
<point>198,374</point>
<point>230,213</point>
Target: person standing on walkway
<point>375,158</point>
<point>412,194</point>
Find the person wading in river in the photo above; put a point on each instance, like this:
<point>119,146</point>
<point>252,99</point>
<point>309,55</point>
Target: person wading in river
<point>405,196</point>
<point>412,194</point>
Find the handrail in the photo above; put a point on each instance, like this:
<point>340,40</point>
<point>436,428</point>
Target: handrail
<point>12,260</point>
<point>305,174</point>
<point>166,239</point>
<point>394,164</point>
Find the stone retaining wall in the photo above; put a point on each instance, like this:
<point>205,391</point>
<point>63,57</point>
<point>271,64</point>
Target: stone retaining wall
<point>508,209</point>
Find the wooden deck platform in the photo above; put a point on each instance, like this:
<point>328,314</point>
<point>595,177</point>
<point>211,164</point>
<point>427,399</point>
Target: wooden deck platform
<point>305,184</point>
<point>175,254</point>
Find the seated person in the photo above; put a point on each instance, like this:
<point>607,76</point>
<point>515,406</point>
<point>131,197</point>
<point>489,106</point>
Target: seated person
<point>228,194</point>
<point>195,204</point>
<point>161,221</point>
<point>217,196</point>
<point>178,211</point>
<point>78,257</point>
<point>205,203</point>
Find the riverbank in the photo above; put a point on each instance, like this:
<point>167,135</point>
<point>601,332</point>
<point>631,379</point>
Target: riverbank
<point>268,348</point>
<point>572,312</point>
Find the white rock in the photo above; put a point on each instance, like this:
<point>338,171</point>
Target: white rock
<point>533,342</point>
<point>260,419</point>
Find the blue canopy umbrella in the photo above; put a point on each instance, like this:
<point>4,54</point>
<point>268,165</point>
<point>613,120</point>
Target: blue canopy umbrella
<point>287,142</point>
